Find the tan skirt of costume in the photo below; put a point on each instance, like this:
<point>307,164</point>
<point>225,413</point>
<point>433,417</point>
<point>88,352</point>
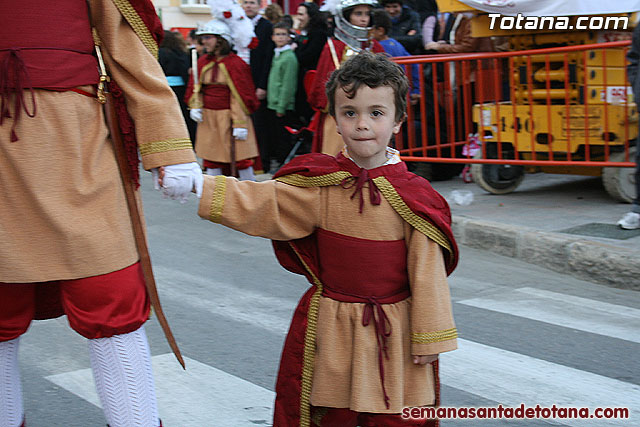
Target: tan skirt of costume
<point>348,351</point>
<point>213,139</point>
<point>63,213</point>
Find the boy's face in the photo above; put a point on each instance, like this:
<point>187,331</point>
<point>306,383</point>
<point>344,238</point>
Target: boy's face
<point>280,37</point>
<point>367,123</point>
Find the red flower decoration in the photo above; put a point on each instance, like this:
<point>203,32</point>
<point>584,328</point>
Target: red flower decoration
<point>226,14</point>
<point>254,43</point>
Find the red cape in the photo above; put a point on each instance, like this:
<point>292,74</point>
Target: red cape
<point>299,256</point>
<point>240,74</point>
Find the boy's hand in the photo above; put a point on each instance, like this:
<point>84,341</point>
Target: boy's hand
<point>423,360</point>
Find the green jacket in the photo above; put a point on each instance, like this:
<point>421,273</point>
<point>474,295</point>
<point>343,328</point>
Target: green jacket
<point>283,81</point>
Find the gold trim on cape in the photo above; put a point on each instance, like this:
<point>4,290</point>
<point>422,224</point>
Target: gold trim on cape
<point>419,223</point>
<point>233,89</point>
<point>164,146</point>
<point>308,356</point>
<point>138,25</point>
<point>298,180</point>
<point>436,336</point>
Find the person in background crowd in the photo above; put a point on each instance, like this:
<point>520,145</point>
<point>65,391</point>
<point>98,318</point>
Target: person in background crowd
<point>176,63</point>
<point>456,37</point>
<point>405,25</point>
<point>308,47</point>
<point>352,20</point>
<point>281,96</point>
<point>221,104</point>
<point>424,8</point>
<point>430,23</point>
<point>381,22</point>
<point>67,245</point>
<point>260,62</point>
<point>273,13</point>
<point>631,220</point>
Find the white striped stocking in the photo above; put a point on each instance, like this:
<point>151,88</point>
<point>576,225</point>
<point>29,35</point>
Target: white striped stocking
<point>122,372</point>
<point>11,407</point>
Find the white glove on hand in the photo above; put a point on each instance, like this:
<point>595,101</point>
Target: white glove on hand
<point>240,133</point>
<point>180,179</point>
<point>196,114</point>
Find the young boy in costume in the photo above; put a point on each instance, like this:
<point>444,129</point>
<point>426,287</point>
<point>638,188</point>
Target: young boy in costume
<point>375,242</point>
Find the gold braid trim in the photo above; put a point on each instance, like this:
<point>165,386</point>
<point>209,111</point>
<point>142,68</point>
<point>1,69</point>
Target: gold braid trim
<point>217,201</point>
<point>431,337</point>
<point>309,346</point>
<point>420,224</point>
<point>297,180</point>
<point>164,146</point>
<point>138,25</point>
<point>195,101</point>
<point>233,89</point>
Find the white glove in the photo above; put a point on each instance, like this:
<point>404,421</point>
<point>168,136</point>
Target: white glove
<point>240,133</point>
<point>180,179</point>
<point>196,114</point>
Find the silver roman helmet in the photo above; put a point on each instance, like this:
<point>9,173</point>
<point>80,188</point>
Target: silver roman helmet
<point>217,28</point>
<point>350,34</point>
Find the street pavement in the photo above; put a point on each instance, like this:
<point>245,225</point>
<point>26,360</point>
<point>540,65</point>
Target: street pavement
<point>527,334</point>
<point>561,222</point>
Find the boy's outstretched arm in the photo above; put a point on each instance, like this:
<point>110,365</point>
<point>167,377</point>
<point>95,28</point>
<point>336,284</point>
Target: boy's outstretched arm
<point>269,209</point>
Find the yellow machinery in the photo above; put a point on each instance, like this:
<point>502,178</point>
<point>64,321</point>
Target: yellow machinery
<point>569,108</point>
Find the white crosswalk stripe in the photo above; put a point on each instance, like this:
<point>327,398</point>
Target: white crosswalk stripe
<point>565,310</point>
<point>204,395</point>
<point>511,378</point>
<point>199,396</point>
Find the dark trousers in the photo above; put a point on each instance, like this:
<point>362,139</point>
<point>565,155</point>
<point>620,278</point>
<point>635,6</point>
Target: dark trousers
<point>260,123</point>
<point>279,139</point>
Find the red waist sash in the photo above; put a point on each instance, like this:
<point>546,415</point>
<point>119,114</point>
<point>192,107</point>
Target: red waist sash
<point>216,96</point>
<point>373,272</point>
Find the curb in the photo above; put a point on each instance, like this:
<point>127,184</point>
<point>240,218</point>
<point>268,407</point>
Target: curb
<point>584,259</point>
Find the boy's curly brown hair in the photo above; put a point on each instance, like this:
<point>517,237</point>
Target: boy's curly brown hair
<point>373,70</point>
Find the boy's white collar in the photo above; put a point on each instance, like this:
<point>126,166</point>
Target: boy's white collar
<point>279,50</point>
<point>393,156</point>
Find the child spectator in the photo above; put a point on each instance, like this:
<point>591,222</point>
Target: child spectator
<point>281,96</point>
<point>374,241</point>
<point>381,26</point>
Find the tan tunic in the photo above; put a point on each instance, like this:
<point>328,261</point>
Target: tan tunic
<point>346,365</point>
<point>63,213</point>
<point>213,138</point>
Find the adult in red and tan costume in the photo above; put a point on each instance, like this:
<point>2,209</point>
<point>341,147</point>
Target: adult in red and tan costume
<point>66,239</point>
<point>376,246</point>
<point>353,23</point>
<point>222,101</point>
